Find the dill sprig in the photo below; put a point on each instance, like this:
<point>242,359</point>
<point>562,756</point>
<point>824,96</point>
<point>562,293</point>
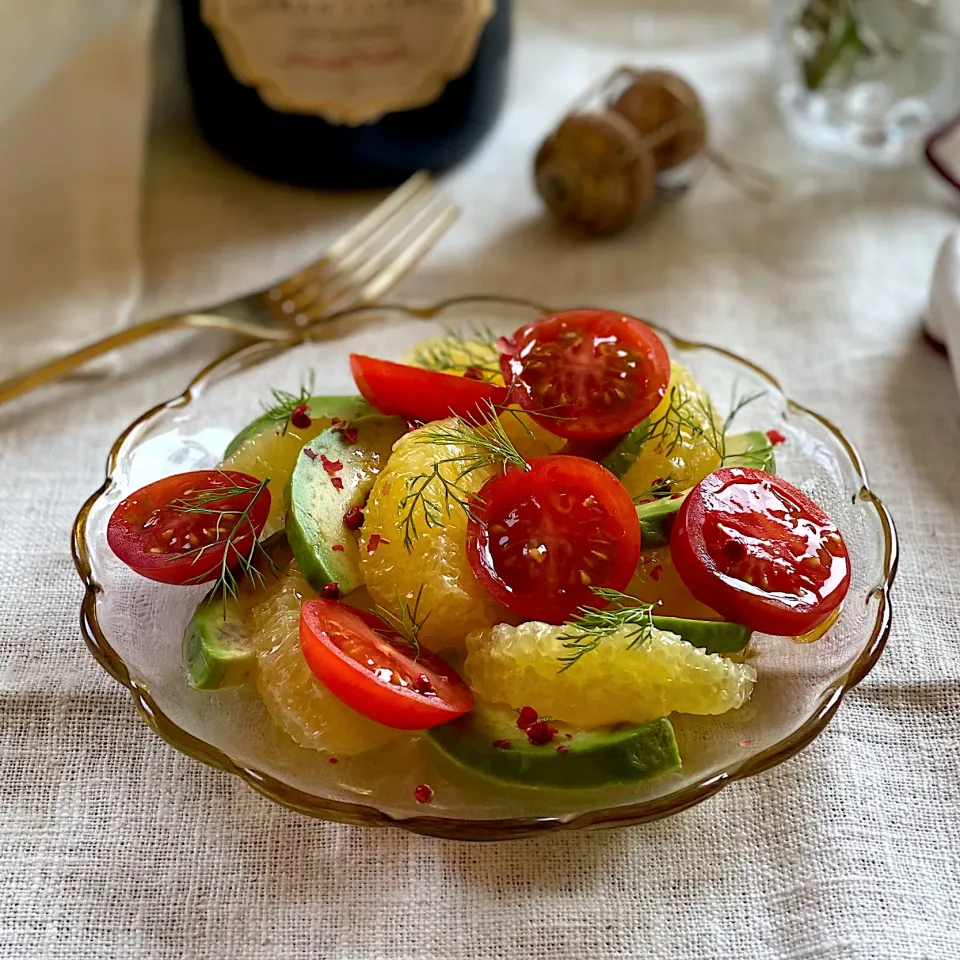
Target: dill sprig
<point>407,624</point>
<point>592,625</point>
<point>236,565</point>
<point>658,490</point>
<point>487,436</point>
<point>457,352</point>
<point>692,418</point>
<point>284,403</point>
<point>432,496</point>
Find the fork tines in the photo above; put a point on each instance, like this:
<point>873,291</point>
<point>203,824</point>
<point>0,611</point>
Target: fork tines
<point>370,258</point>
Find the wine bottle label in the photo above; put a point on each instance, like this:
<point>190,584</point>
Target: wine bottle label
<point>348,61</point>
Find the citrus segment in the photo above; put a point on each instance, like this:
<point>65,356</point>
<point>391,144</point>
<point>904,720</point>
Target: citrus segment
<point>294,698</point>
<point>402,550</point>
<point>678,452</point>
<point>611,684</point>
<point>657,581</point>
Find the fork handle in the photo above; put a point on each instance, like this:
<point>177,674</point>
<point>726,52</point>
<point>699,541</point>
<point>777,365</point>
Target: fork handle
<point>52,370</point>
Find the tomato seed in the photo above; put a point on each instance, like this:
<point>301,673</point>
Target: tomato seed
<point>423,793</point>
<point>734,550</point>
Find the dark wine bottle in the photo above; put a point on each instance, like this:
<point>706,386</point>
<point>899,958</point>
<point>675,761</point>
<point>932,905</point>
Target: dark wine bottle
<point>346,93</point>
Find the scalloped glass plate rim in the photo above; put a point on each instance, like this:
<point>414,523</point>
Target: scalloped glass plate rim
<point>452,828</point>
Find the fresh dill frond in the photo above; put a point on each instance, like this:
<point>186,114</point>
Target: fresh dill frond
<point>455,352</point>
<point>487,437</point>
<point>737,406</point>
<point>407,622</point>
<point>658,490</point>
<point>432,496</point>
<point>435,496</point>
<point>284,403</point>
<point>236,565</point>
<point>591,626</point>
<point>692,419</point>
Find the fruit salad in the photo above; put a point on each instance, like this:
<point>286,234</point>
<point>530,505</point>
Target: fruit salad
<point>525,553</point>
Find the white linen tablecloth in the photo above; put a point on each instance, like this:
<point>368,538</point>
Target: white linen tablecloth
<point>114,846</point>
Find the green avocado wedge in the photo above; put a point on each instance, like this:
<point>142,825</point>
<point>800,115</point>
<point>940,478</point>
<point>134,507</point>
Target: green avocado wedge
<point>714,636</point>
<point>332,475</point>
<point>656,519</point>
<point>752,449</point>
<point>626,453</point>
<point>216,646</point>
<point>320,408</point>
<point>593,758</point>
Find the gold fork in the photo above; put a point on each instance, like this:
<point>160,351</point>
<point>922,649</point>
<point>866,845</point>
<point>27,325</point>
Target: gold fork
<point>356,270</point>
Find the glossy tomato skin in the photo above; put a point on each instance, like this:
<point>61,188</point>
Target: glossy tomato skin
<point>586,374</point>
<point>156,533</point>
<point>401,390</point>
<point>539,540</point>
<point>338,643</point>
<point>760,552</point>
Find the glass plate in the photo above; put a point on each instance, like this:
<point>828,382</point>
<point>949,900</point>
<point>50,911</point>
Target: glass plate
<point>134,626</point>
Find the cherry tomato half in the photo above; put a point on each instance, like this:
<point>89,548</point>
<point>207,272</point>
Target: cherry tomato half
<point>760,552</point>
<point>401,390</point>
<point>180,529</point>
<point>591,374</point>
<point>540,539</point>
<point>347,652</point>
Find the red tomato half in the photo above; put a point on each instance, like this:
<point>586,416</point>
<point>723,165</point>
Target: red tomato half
<point>347,651</point>
<point>180,529</point>
<point>759,552</point>
<point>591,374</point>
<point>540,539</point>
<point>397,389</point>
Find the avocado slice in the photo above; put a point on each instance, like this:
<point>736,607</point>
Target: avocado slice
<point>714,636</point>
<point>317,504</point>
<point>752,449</point>
<point>216,647</point>
<point>594,758</point>
<point>625,454</point>
<point>656,519</point>
<point>321,408</point>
